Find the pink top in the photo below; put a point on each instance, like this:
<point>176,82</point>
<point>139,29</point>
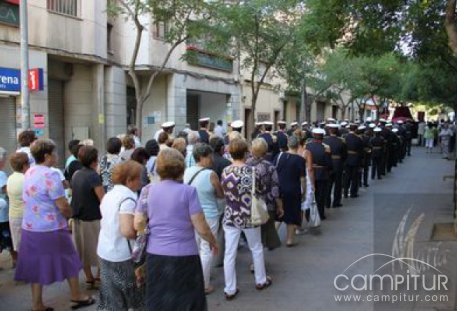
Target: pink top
<point>42,186</point>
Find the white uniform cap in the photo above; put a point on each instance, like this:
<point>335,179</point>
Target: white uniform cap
<point>168,124</point>
<point>344,123</point>
<point>382,120</point>
<point>389,124</point>
<point>293,124</point>
<point>400,121</point>
<point>331,120</point>
<point>362,127</point>
<point>203,120</point>
<point>377,129</point>
<point>369,119</point>
<point>319,131</point>
<point>237,124</point>
<point>395,130</point>
<point>259,123</point>
<point>268,123</point>
<point>282,122</point>
<point>372,125</point>
<point>304,123</point>
<point>333,126</point>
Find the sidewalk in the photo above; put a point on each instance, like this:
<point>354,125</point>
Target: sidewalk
<point>303,276</point>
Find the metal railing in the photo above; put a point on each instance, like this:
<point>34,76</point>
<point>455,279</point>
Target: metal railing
<point>67,7</point>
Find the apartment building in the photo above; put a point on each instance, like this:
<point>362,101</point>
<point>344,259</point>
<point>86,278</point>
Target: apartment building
<point>79,59</point>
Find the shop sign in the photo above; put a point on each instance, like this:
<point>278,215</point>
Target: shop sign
<point>10,80</point>
<point>9,13</point>
<point>36,79</point>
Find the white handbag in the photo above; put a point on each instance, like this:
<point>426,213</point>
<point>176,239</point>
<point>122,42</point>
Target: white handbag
<point>259,210</point>
<point>314,218</point>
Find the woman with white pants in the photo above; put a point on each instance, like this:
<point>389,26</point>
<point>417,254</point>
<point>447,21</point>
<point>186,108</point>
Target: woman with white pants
<point>237,184</point>
<point>209,190</point>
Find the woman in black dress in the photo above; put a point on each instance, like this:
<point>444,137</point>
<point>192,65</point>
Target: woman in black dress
<point>291,168</point>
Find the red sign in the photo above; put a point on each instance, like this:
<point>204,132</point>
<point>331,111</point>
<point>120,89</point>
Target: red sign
<point>13,1</point>
<point>36,79</point>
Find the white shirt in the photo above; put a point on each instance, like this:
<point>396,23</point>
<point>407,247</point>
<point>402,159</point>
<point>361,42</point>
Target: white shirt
<point>112,245</point>
<point>29,154</point>
<point>219,131</point>
<point>156,135</point>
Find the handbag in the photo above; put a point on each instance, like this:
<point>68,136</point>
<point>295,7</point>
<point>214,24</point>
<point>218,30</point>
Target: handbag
<point>141,242</point>
<point>314,218</point>
<point>259,210</point>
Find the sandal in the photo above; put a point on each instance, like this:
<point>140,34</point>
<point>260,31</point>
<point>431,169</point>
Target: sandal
<point>92,285</point>
<point>231,297</point>
<point>264,285</point>
<point>82,303</point>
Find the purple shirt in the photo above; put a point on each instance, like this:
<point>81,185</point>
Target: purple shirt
<point>42,186</point>
<point>169,206</point>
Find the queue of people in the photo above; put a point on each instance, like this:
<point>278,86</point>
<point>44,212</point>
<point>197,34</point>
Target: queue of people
<point>180,193</point>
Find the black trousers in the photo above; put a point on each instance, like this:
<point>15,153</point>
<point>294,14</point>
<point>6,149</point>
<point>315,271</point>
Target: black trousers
<point>335,183</point>
<point>376,167</point>
<point>408,146</point>
<point>321,196</point>
<point>351,182</point>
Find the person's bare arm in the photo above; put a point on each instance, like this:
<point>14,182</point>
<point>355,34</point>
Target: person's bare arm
<point>139,222</point>
<point>203,230</point>
<point>279,208</point>
<point>309,167</point>
<point>126,225</point>
<point>64,207</point>
<point>100,192</point>
<point>217,185</point>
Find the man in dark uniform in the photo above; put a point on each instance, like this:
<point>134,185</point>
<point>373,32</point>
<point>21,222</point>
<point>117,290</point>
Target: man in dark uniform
<point>377,144</point>
<point>401,154</point>
<point>236,126</point>
<point>386,134</point>
<point>409,136</point>
<point>307,131</point>
<point>355,152</point>
<point>365,134</point>
<point>398,143</point>
<point>282,136</point>
<point>339,153</point>
<point>392,144</point>
<point>272,141</point>
<point>343,130</point>
<point>203,131</point>
<point>257,130</point>
<point>322,165</point>
<point>293,127</point>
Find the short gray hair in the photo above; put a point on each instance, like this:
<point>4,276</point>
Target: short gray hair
<point>259,147</point>
<point>293,142</point>
<point>193,137</point>
<point>201,151</point>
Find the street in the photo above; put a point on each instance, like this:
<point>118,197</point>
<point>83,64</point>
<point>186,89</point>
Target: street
<point>303,276</point>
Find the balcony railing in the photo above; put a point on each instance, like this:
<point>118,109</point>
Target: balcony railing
<point>66,7</point>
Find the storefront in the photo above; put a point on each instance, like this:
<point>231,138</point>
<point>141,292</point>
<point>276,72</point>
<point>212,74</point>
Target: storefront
<point>9,90</point>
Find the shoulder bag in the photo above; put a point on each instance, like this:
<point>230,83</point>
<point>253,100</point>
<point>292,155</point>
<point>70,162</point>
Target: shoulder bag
<point>259,211</point>
<point>141,241</point>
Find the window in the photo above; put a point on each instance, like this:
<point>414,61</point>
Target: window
<point>109,43</point>
<point>67,7</point>
<point>160,30</point>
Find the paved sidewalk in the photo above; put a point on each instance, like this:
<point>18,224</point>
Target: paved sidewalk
<point>303,276</point>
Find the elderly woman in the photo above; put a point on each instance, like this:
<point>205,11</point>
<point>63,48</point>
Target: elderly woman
<point>209,190</point>
<point>19,161</point>
<point>164,141</point>
<point>291,168</point>
<point>174,214</point>
<point>152,148</point>
<point>269,191</point>
<point>128,142</point>
<point>180,145</point>
<point>109,160</point>
<point>47,252</point>
<point>5,234</point>
<point>25,139</point>
<point>118,290</point>
<point>237,181</point>
<point>192,139</point>
<point>87,195</point>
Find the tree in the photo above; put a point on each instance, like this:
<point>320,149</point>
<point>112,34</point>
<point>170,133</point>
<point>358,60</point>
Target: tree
<point>182,19</point>
<point>256,32</point>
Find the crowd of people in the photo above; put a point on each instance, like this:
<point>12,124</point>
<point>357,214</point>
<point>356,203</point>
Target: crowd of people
<point>181,193</point>
<point>438,134</point>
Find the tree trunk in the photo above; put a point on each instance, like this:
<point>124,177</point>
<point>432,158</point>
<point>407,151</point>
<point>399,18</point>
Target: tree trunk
<point>343,112</point>
<point>303,102</point>
<point>450,26</point>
